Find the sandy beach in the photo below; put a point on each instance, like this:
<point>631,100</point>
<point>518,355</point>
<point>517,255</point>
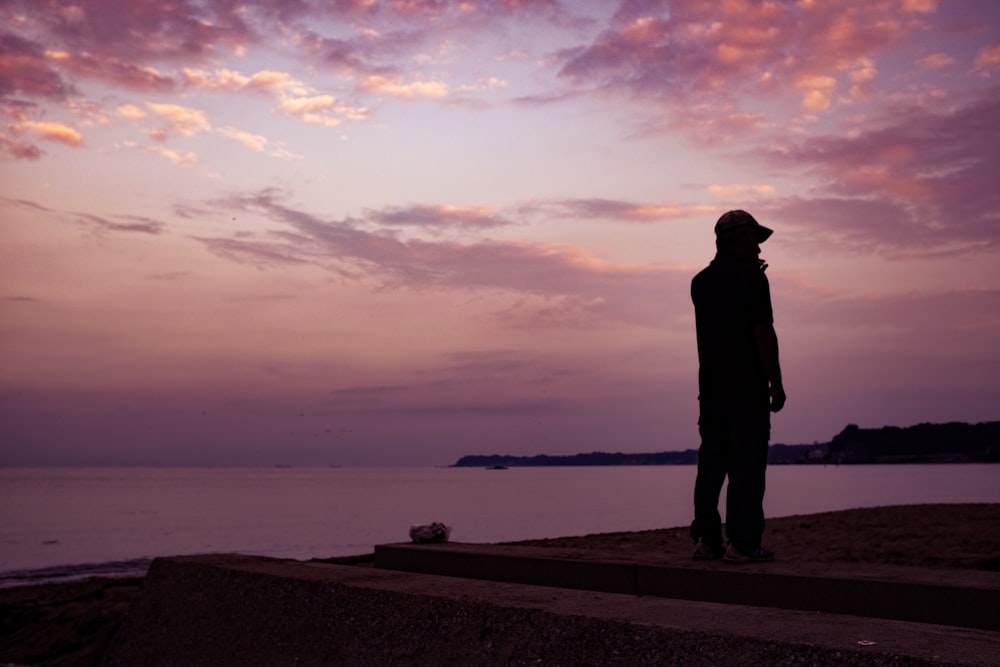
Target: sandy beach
<point>951,536</point>
<point>71,624</point>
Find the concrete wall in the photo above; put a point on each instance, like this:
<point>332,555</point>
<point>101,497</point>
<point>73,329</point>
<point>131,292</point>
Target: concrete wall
<point>240,610</point>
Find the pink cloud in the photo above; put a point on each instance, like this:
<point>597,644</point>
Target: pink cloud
<point>389,37</point>
<point>140,32</point>
<point>252,141</point>
<point>188,159</point>
<point>617,210</point>
<point>371,54</point>
<point>706,52</point>
<point>133,224</point>
<point>25,69</point>
<point>18,149</point>
<point>315,110</point>
<point>114,71</point>
<point>382,85</point>
<point>131,112</point>
<point>53,131</point>
<point>183,120</point>
<point>439,217</point>
<point>226,80</point>
<point>580,284</point>
<point>958,314</point>
<point>120,223</point>
<point>451,8</point>
<point>988,60</point>
<point>135,45</point>
<point>703,57</point>
<point>295,99</point>
<point>925,181</point>
<point>936,61</point>
<point>852,225</point>
<point>25,203</point>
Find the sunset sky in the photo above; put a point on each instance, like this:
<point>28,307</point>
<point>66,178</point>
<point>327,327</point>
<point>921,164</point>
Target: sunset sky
<point>349,232</point>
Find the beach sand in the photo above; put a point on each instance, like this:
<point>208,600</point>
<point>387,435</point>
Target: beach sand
<point>70,624</point>
<point>951,536</point>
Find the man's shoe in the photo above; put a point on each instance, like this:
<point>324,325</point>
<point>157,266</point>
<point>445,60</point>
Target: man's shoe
<point>734,554</point>
<point>706,551</point>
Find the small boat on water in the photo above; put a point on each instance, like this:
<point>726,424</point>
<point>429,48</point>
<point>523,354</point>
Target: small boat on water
<point>496,467</point>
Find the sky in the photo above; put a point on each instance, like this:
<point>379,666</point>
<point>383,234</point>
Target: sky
<point>361,233</point>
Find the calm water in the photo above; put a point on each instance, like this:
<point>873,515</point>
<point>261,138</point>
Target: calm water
<point>62,518</point>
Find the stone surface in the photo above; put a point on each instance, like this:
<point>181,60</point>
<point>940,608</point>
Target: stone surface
<point>966,598</point>
<point>241,610</point>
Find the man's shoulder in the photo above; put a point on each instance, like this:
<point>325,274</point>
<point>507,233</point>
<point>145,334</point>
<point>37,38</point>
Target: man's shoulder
<point>721,270</point>
<point>704,279</point>
<point>702,274</point>
<point>729,280</point>
<point>744,270</point>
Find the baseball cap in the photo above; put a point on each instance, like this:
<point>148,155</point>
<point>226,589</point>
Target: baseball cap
<point>733,220</point>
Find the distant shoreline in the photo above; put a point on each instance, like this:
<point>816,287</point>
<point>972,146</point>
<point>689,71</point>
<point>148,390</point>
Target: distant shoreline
<point>955,442</point>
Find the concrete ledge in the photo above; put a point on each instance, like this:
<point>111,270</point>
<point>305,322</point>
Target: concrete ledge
<point>242,610</point>
<point>970,600</point>
<point>508,564</point>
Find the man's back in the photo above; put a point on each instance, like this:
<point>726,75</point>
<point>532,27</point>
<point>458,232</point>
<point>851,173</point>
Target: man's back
<point>730,296</point>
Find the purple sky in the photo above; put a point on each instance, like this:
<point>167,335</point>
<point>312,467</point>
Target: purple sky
<point>392,233</point>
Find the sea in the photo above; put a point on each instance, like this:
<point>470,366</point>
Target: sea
<point>64,524</point>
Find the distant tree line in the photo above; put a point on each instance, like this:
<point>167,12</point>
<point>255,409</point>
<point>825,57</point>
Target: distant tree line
<point>592,459</point>
<point>954,442</point>
<point>776,454</point>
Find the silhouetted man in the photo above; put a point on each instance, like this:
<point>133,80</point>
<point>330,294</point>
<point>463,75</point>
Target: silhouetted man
<point>739,383</point>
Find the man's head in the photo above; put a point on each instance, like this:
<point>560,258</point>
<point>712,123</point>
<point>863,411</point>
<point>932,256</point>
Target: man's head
<point>738,230</point>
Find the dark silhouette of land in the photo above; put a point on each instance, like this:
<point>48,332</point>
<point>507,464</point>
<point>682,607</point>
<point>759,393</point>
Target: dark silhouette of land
<point>954,442</point>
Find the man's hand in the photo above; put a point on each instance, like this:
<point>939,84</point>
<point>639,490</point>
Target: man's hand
<point>767,348</point>
<point>777,397</point>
